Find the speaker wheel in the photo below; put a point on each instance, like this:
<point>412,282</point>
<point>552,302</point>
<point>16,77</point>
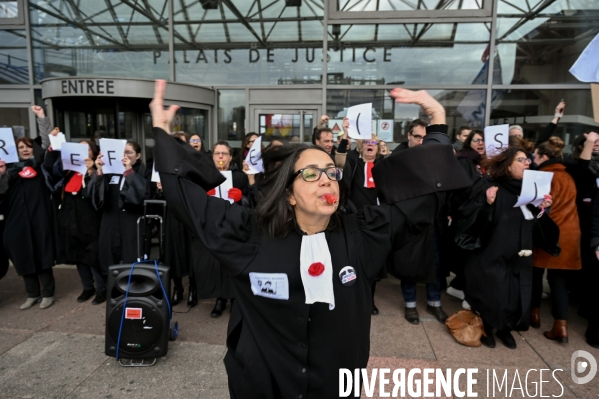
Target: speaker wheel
<point>174,331</point>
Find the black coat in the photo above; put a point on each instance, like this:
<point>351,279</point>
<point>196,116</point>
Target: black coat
<point>78,221</point>
<point>211,279</point>
<point>177,242</point>
<point>286,348</point>
<point>121,207</point>
<point>498,280</point>
<point>29,220</point>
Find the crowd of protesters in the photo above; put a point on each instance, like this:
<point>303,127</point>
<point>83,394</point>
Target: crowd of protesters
<point>496,253</point>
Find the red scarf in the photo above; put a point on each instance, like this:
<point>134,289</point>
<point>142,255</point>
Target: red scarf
<point>74,185</point>
<point>368,180</point>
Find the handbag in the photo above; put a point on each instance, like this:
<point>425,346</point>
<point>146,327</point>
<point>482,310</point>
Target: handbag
<point>465,327</point>
<point>545,235</point>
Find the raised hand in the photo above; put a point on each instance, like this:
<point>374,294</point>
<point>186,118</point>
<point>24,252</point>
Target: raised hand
<point>38,111</point>
<point>99,163</point>
<point>160,117</point>
<point>433,109</point>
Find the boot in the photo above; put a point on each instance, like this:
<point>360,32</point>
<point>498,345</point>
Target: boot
<point>488,339</point>
<point>219,306</point>
<point>29,303</point>
<point>507,338</point>
<point>192,300</point>
<point>559,332</point>
<point>375,310</point>
<point>177,296</point>
<point>412,316</point>
<point>86,294</point>
<point>100,298</point>
<point>535,318</point>
<point>438,312</point>
<point>47,302</point>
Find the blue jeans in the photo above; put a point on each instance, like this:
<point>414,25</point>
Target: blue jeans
<point>433,290</point>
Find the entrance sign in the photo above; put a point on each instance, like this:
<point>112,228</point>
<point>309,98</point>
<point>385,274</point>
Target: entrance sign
<point>8,148</point>
<point>73,157</point>
<point>497,139</point>
<point>113,151</point>
<point>535,185</point>
<point>360,121</point>
<point>254,157</point>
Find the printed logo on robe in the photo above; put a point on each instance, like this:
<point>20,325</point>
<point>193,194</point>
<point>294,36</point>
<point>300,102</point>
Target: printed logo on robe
<point>28,172</point>
<point>348,276</point>
<point>270,285</point>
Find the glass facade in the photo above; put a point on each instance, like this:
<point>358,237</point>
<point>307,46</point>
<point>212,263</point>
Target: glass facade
<point>484,69</point>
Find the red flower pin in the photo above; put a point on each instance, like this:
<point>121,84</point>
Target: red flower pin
<point>316,269</point>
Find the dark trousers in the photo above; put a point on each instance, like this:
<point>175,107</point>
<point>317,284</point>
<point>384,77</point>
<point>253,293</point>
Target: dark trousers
<point>32,284</point>
<point>88,275</point>
<point>559,290</point>
<point>178,282</point>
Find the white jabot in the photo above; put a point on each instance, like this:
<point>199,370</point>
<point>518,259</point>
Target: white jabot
<point>317,288</point>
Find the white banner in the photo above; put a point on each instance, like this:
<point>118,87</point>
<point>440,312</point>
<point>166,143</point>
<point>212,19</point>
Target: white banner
<point>73,156</point>
<point>535,185</point>
<point>114,152</point>
<point>497,139</point>
<point>360,121</point>
<point>222,191</point>
<point>56,141</point>
<point>8,148</point>
<point>254,157</point>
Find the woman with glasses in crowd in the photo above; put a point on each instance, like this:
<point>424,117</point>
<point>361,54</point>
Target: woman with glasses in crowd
<point>549,158</point>
<point>120,198</point>
<point>498,269</point>
<point>302,269</point>
<point>358,179</point>
<point>212,281</point>
<point>246,145</point>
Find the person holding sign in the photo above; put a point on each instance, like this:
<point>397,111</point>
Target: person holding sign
<point>212,281</point>
<point>78,221</point>
<point>498,269</point>
<point>121,199</point>
<point>549,157</point>
<point>29,222</point>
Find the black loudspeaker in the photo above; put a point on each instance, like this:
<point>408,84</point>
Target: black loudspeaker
<point>146,327</point>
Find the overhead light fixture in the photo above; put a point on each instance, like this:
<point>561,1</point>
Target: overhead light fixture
<point>336,30</point>
<point>209,4</point>
<point>293,3</point>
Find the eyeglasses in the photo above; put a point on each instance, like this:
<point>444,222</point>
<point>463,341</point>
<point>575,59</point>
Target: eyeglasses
<point>524,160</point>
<point>476,141</point>
<point>371,142</point>
<point>312,174</point>
<point>130,152</point>
<point>417,136</point>
<point>195,140</point>
<point>218,154</point>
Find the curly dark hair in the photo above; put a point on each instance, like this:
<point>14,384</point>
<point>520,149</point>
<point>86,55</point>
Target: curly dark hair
<point>497,166</point>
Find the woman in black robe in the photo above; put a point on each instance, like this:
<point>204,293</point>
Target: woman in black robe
<point>499,270</point>
<point>29,221</point>
<point>121,199</point>
<point>357,177</point>
<point>280,346</point>
<point>78,221</point>
<point>212,281</point>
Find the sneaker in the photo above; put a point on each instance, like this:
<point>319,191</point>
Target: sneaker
<point>85,295</point>
<point>455,293</point>
<point>29,303</point>
<point>47,302</point>
<point>465,305</point>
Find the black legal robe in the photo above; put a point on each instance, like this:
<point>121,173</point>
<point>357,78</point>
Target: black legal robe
<point>286,348</point>
<point>498,281</point>
<point>121,207</point>
<point>211,279</point>
<point>77,219</point>
<point>29,227</point>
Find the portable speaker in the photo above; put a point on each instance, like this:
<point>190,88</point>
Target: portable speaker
<point>146,329</point>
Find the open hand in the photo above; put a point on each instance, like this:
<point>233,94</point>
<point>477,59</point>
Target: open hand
<point>160,117</point>
<point>492,195</point>
<point>433,109</point>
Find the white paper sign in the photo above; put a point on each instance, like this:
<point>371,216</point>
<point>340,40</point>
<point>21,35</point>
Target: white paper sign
<point>8,148</point>
<point>254,157</point>
<point>56,141</point>
<point>155,175</point>
<point>497,139</point>
<point>113,151</point>
<point>222,191</point>
<point>73,156</point>
<point>360,121</point>
<point>385,130</point>
<point>535,185</point>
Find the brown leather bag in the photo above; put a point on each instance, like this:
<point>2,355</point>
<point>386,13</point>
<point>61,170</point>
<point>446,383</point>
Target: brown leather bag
<point>466,327</point>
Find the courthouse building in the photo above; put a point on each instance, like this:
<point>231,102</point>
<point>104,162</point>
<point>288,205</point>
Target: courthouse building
<point>275,66</point>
